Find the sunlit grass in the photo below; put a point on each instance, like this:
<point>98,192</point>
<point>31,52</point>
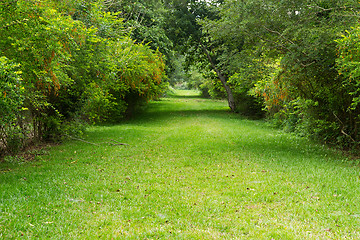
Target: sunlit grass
<point>192,170</point>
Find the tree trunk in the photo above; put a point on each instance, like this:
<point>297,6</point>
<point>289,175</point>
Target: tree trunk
<point>222,78</point>
<point>230,96</point>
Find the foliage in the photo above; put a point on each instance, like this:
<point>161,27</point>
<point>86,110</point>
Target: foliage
<point>142,71</point>
<point>179,75</point>
<point>194,78</point>
<point>11,105</point>
<point>76,60</point>
<point>184,29</point>
<point>41,39</point>
<point>145,21</point>
<point>348,64</point>
<point>11,89</point>
<point>292,45</point>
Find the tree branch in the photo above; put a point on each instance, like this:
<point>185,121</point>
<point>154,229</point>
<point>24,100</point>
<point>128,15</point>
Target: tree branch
<point>327,9</point>
<point>280,34</point>
<point>95,144</point>
<point>81,140</point>
<point>343,126</point>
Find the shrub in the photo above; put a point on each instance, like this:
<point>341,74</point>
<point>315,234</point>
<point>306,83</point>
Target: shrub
<point>11,104</point>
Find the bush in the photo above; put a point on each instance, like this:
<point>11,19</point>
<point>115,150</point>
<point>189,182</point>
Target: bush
<point>11,104</point>
<point>75,61</point>
<point>247,103</point>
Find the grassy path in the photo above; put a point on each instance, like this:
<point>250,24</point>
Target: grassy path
<point>191,171</point>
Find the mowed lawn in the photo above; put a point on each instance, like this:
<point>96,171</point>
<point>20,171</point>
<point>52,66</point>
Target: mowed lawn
<point>191,170</point>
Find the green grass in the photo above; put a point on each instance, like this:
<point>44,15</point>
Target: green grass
<point>192,170</point>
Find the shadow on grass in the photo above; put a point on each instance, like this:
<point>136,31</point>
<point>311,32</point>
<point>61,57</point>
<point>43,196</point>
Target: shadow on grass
<point>249,138</point>
<point>169,115</point>
<point>184,94</point>
<point>258,139</point>
<point>187,96</point>
<point>255,140</point>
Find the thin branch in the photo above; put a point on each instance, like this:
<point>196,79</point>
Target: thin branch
<point>328,9</point>
<point>305,65</point>
<point>81,140</point>
<point>110,143</point>
<point>343,126</point>
<point>280,34</point>
<point>354,15</point>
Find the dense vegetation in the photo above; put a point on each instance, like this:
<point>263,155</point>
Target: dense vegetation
<point>67,62</point>
<point>297,60</point>
<point>300,57</point>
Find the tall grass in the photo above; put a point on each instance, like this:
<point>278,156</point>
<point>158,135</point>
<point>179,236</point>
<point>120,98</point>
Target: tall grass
<point>192,170</point>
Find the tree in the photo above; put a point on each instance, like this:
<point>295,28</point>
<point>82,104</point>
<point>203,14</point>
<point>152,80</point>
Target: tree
<point>184,28</point>
<point>144,20</point>
<point>75,61</point>
<point>293,44</point>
